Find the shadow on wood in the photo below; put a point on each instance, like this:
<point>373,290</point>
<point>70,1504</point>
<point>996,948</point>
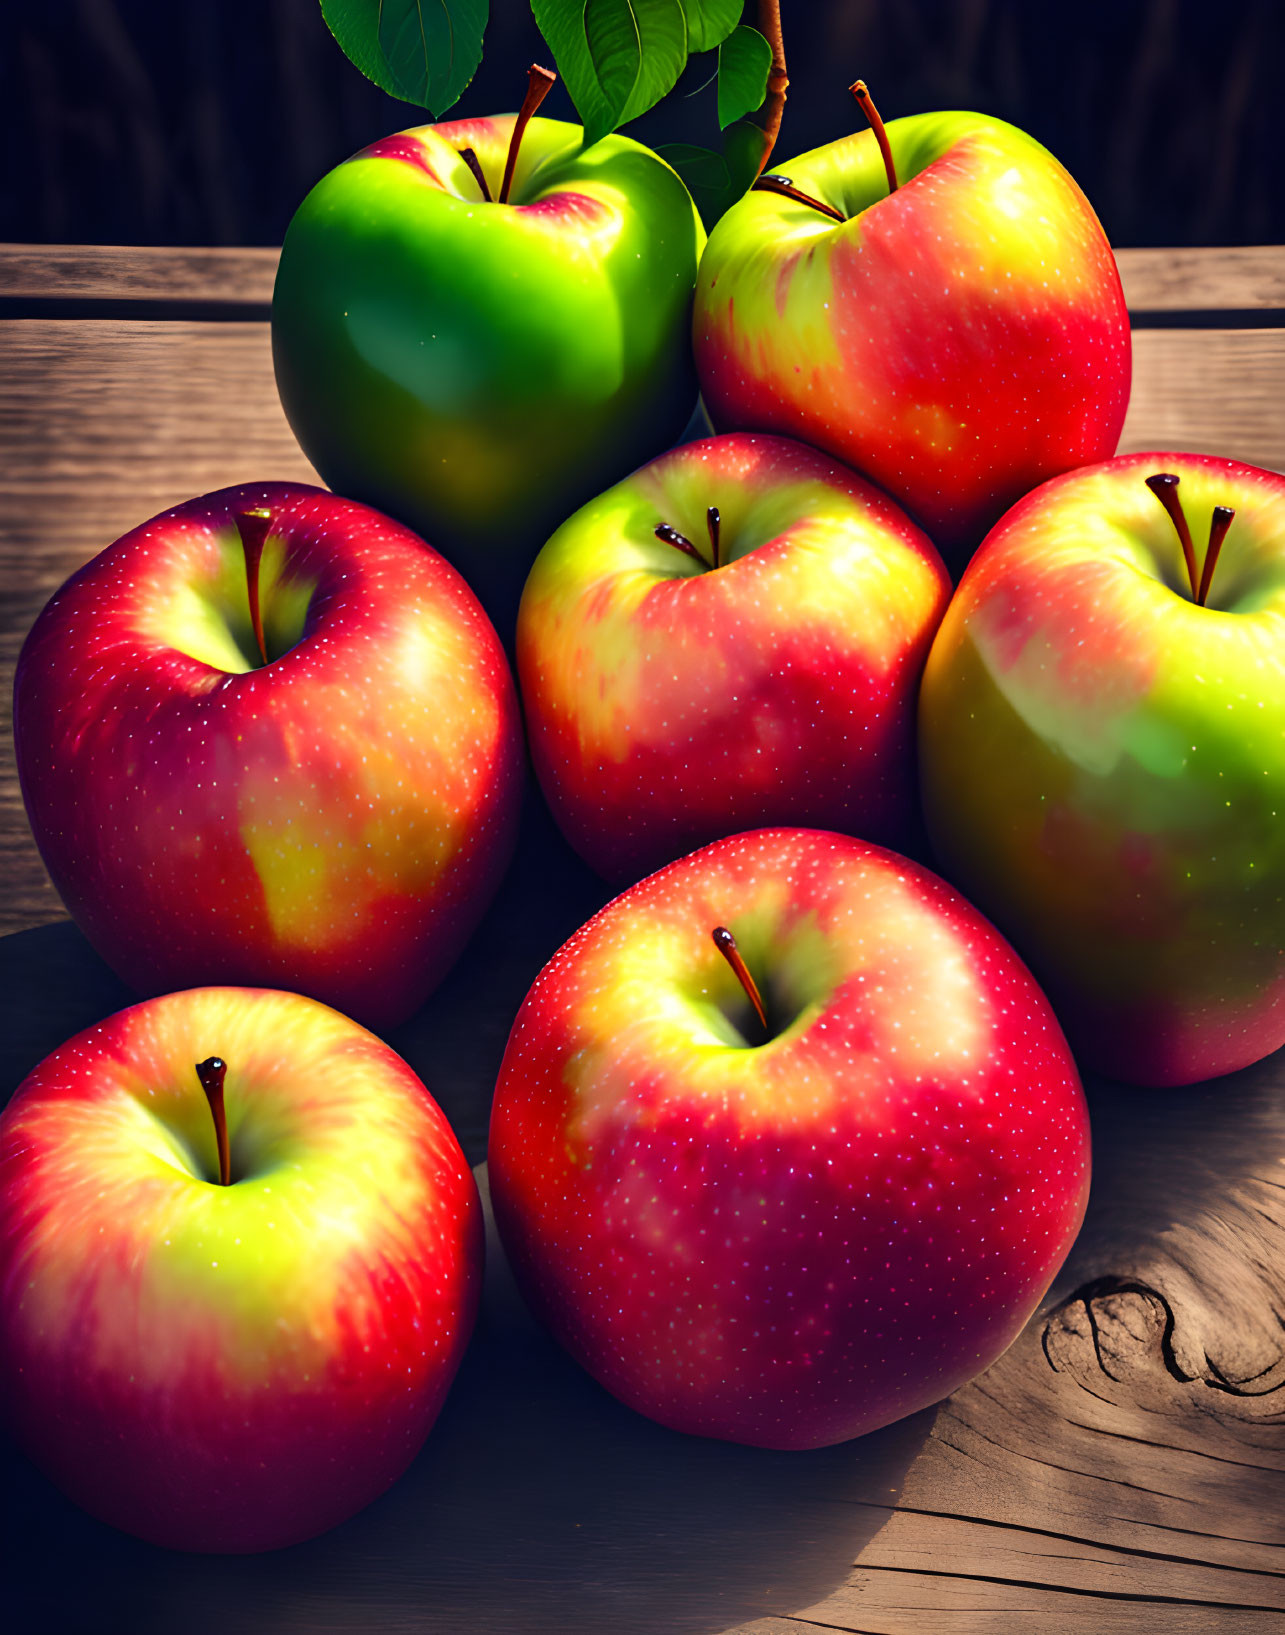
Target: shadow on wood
<point>540,1506</point>
<point>1179,1270</point>
<point>1127,1453</point>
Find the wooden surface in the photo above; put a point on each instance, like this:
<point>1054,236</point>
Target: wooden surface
<point>1174,281</point>
<point>1121,1468</point>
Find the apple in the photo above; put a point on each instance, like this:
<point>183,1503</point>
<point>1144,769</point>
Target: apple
<point>786,1234</point>
<point>330,813</point>
<point>958,339</point>
<point>670,699</point>
<point>230,1365</point>
<point>480,368</point>
<point>1103,758</point>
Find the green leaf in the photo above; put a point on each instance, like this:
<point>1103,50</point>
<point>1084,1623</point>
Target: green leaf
<point>705,173</point>
<point>743,150</point>
<point>744,59</point>
<point>423,51</point>
<point>617,58</point>
<point>709,22</point>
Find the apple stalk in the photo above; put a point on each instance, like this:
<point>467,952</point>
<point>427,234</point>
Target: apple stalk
<point>866,103</point>
<point>725,942</point>
<point>1164,485</point>
<point>253,527</point>
<point>540,82</point>
<point>713,522</point>
<point>479,175</point>
<point>680,542</point>
<point>776,183</point>
<point>212,1072</point>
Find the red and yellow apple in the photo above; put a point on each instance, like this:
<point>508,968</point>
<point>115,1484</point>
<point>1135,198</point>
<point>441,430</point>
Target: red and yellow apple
<point>230,1367</point>
<point>331,814</point>
<point>670,700</point>
<point>958,340</point>
<point>1103,760</point>
<point>787,1235</point>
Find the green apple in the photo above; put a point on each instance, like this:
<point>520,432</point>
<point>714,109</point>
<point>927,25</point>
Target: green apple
<point>479,369</point>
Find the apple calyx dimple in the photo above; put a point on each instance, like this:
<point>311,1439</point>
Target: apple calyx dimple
<point>725,942</point>
<point>1164,485</point>
<point>680,542</point>
<point>475,165</point>
<point>212,1072</point>
<point>540,82</point>
<point>865,102</point>
<point>253,527</point>
<point>784,186</point>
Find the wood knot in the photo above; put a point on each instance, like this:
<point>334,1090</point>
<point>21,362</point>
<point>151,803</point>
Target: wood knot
<point>1124,1332</point>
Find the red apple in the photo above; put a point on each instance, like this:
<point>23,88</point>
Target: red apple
<point>787,1235</point>
<point>671,700</point>
<point>958,339</point>
<point>330,815</point>
<point>239,1366</point>
<point>1103,754</point>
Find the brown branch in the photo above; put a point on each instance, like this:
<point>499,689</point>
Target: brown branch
<point>768,117</point>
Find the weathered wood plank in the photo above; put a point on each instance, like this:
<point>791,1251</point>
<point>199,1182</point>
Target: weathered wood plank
<point>1123,1465</point>
<point>103,423</point>
<point>887,1603</point>
<point>97,272</point>
<point>1209,391</point>
<point>1125,1460</point>
<point>1154,280</point>
<point>1203,280</point>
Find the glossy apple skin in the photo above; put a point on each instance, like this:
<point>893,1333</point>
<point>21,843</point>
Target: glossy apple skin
<point>792,1244</point>
<point>230,1368</point>
<point>958,341</point>
<point>1103,762</point>
<point>335,822</point>
<point>480,370</point>
<point>667,706</point>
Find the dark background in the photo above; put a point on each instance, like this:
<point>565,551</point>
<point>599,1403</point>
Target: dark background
<point>206,121</point>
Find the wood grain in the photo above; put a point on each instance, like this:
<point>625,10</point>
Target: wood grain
<point>1154,280</point>
<point>1120,1469</point>
<point>96,272</point>
<point>1122,1465</point>
<point>1209,391</point>
<point>1200,280</point>
<point>104,423</point>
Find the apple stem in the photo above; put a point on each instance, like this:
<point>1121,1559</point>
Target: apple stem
<point>539,83</point>
<point>671,536</point>
<point>1164,485</point>
<point>253,527</point>
<point>713,522</point>
<point>1219,523</point>
<point>784,186</point>
<point>866,103</point>
<point>725,942</point>
<point>212,1072</point>
<point>475,165</point>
